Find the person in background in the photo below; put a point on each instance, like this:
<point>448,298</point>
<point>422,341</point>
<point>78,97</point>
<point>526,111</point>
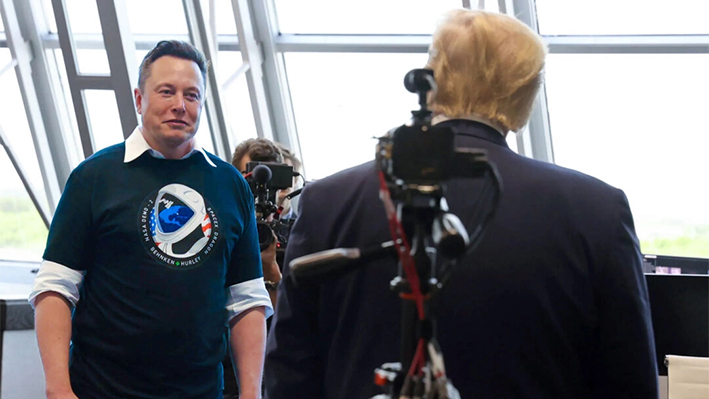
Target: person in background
<point>552,304</point>
<point>256,150</point>
<point>261,150</point>
<point>288,213</point>
<point>152,252</point>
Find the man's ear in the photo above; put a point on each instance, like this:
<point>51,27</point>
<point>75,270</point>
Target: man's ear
<point>138,100</point>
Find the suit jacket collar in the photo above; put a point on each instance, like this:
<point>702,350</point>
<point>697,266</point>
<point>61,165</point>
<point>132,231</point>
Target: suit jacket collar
<point>469,128</point>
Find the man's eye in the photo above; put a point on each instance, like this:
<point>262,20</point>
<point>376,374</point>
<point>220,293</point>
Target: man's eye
<point>165,91</point>
<point>193,96</point>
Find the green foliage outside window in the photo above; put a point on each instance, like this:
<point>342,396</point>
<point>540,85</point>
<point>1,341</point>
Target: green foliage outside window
<point>21,227</point>
<point>693,243</point>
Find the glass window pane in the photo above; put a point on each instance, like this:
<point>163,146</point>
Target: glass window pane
<point>634,121</point>
<point>363,17</point>
<point>226,23</point>
<point>2,26</point>
<point>512,141</point>
<point>23,234</point>
<point>240,116</point>
<point>157,17</point>
<point>61,83</point>
<point>49,16</point>
<point>93,62</point>
<point>85,27</point>
<point>342,101</point>
<point>103,117</point>
<point>235,96</point>
<point>204,133</point>
<point>622,17</point>
<point>13,121</point>
<point>83,17</point>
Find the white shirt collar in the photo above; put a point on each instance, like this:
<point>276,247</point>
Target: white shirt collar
<point>136,146</point>
<point>472,117</point>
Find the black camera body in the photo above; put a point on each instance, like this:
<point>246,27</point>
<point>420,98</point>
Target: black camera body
<point>281,175</point>
<point>424,155</point>
<point>418,158</point>
<point>265,179</point>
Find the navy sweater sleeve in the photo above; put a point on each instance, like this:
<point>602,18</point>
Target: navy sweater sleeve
<point>625,351</point>
<point>71,240</point>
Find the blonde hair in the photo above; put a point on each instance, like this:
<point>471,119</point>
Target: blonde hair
<point>486,64</point>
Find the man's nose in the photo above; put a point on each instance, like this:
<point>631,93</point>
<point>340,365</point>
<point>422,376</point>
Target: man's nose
<point>178,104</point>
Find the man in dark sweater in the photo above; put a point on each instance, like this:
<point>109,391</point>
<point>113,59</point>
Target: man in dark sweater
<point>552,304</point>
<point>153,249</point>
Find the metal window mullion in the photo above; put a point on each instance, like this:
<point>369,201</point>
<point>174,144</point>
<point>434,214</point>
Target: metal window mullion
<point>21,51</point>
<point>93,82</point>
<point>275,79</point>
<point>538,131</point>
<point>215,112</point>
<point>251,55</point>
<point>576,44</point>
<point>51,103</point>
<point>31,191</point>
<point>651,44</point>
<point>66,43</point>
<point>504,5</point>
<point>120,50</point>
<point>353,43</point>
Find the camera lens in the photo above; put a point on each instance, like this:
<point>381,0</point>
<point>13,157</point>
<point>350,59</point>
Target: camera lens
<point>265,235</point>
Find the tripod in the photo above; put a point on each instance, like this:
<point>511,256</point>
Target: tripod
<point>414,162</point>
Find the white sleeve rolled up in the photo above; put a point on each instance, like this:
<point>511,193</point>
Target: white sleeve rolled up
<point>58,278</point>
<point>246,295</point>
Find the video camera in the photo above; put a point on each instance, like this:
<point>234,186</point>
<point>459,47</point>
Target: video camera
<point>265,179</point>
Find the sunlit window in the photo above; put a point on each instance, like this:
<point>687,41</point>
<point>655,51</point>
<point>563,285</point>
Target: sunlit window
<point>362,17</point>
<point>22,232</point>
<point>636,122</point>
<point>225,21</point>
<point>235,96</point>
<point>622,17</point>
<point>157,17</point>
<point>103,117</point>
<point>342,101</point>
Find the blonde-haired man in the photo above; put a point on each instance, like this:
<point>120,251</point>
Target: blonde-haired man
<point>552,304</point>
<point>487,67</point>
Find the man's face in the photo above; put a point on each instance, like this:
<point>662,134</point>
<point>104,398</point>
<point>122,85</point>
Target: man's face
<point>281,198</point>
<point>171,101</point>
<point>242,164</point>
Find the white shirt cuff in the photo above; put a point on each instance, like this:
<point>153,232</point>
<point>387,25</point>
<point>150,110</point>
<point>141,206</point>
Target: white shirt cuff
<point>246,295</point>
<point>58,278</point>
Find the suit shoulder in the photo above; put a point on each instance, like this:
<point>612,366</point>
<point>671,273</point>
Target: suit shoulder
<point>353,176</point>
<point>564,178</point>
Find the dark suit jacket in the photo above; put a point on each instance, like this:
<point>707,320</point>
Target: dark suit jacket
<point>553,304</point>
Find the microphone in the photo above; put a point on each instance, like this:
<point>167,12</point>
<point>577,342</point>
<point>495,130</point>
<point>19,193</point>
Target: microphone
<point>337,262</point>
<point>294,193</point>
<point>261,174</point>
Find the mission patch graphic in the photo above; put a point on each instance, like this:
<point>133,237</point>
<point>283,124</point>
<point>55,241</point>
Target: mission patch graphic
<point>178,228</point>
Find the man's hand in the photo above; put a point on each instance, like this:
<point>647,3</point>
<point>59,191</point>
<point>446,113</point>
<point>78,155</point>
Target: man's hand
<point>271,271</point>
